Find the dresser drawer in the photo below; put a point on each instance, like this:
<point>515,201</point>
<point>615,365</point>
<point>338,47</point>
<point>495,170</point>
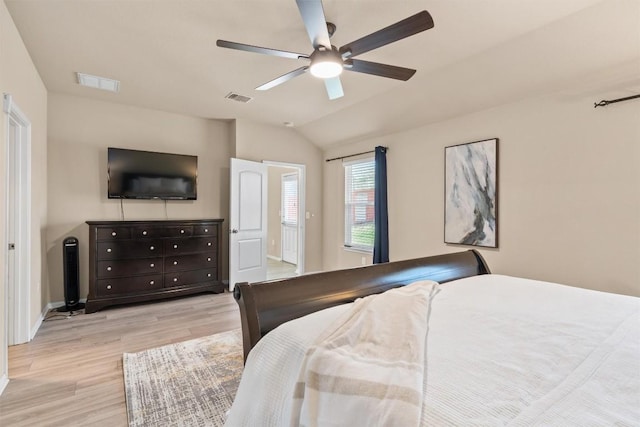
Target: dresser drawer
<point>178,231</point>
<point>114,233</point>
<point>189,246</point>
<point>189,262</point>
<point>181,278</point>
<point>120,268</point>
<point>129,249</point>
<point>147,232</point>
<point>205,230</point>
<point>128,285</point>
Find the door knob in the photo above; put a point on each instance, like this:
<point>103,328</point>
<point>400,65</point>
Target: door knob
<point>234,231</point>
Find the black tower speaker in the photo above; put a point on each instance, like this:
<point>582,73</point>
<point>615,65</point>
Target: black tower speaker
<point>70,253</point>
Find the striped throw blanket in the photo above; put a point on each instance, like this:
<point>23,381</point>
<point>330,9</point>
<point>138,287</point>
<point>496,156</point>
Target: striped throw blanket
<point>367,368</point>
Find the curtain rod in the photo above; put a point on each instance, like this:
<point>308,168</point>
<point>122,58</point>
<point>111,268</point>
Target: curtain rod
<point>604,102</point>
<point>354,155</point>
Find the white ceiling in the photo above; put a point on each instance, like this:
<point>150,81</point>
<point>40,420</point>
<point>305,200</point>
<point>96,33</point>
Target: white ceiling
<point>480,54</point>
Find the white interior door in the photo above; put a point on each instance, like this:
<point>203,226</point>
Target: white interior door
<point>248,222</point>
<point>289,218</point>
<point>16,246</point>
<point>12,297</point>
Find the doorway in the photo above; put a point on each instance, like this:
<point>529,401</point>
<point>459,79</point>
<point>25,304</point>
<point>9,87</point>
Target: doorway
<point>17,244</point>
<point>286,220</point>
<point>255,247</point>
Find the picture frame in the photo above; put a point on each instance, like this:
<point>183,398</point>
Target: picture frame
<point>471,194</point>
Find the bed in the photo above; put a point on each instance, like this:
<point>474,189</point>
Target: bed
<point>487,349</point>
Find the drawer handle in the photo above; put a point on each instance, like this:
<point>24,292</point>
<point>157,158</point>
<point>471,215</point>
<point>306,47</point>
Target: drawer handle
<point>109,268</point>
<point>181,231</point>
<point>153,282</point>
<point>144,233</point>
<point>108,286</point>
<point>208,274</point>
<point>175,246</point>
<point>206,230</point>
<point>152,265</point>
<point>175,262</point>
<point>208,243</point>
<point>113,233</point>
<point>108,250</point>
<point>175,279</point>
<point>208,259</point>
<point>151,248</point>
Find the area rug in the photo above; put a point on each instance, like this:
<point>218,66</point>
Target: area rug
<point>191,383</point>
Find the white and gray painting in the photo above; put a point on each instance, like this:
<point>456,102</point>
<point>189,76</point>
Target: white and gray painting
<point>470,194</point>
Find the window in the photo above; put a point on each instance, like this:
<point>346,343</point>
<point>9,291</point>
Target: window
<point>359,218</point>
<point>290,199</point>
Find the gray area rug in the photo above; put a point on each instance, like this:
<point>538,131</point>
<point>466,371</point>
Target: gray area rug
<point>191,383</point>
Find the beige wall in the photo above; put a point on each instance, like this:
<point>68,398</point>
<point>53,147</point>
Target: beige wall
<point>19,77</point>
<point>80,130</point>
<point>569,191</point>
<point>258,142</point>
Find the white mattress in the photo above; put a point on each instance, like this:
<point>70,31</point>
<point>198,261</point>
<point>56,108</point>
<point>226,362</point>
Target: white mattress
<point>500,351</point>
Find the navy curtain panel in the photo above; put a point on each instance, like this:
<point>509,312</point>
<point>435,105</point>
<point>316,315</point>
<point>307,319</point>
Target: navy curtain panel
<point>381,239</point>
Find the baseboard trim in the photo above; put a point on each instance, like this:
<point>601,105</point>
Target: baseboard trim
<point>58,304</point>
<point>43,315</point>
<point>35,328</point>
<point>4,381</point>
<point>275,258</point>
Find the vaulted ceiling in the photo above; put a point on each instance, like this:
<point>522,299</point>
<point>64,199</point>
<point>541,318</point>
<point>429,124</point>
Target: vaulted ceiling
<point>480,54</point>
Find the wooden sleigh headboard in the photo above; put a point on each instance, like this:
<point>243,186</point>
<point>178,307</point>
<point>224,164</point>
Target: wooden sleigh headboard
<point>266,305</point>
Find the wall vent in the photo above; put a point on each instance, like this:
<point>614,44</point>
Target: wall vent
<point>238,97</point>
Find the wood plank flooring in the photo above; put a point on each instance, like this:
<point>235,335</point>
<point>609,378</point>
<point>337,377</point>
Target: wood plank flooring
<point>280,269</point>
<point>70,374</point>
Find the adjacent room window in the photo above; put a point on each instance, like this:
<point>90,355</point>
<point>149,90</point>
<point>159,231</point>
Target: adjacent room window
<point>290,199</point>
<point>359,219</point>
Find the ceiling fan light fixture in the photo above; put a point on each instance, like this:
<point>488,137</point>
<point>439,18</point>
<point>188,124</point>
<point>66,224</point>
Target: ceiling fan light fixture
<point>326,64</point>
<point>326,69</point>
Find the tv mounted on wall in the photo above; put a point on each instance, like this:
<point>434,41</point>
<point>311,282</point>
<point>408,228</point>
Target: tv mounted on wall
<point>134,174</point>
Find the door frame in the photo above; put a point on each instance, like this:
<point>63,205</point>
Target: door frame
<point>17,327</point>
<point>302,197</point>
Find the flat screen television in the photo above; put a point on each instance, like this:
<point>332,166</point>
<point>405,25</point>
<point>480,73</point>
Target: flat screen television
<point>134,174</point>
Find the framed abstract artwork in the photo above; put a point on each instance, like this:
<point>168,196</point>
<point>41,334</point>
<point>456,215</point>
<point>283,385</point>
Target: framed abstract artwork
<point>471,193</point>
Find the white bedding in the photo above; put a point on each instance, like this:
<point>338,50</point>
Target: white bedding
<point>367,367</point>
<point>500,351</point>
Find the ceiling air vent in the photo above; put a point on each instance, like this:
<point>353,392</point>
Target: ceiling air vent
<point>98,82</point>
<point>238,97</point>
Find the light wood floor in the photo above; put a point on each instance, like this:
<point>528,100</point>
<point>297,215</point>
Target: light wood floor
<point>70,374</point>
<point>280,269</point>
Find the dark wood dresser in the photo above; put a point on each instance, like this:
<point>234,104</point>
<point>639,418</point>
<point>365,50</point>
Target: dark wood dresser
<point>135,261</point>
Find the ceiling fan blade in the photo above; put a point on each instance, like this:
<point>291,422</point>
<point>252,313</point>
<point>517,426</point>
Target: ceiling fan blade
<point>377,69</point>
<point>419,22</point>
<point>258,49</point>
<point>334,88</point>
<point>283,78</point>
<point>314,21</point>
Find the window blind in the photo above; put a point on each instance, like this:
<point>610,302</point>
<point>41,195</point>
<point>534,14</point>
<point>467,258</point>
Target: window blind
<point>359,204</point>
<point>290,200</point>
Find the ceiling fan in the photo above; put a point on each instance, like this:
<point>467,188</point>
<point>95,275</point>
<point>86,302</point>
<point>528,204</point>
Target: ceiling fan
<point>327,62</point>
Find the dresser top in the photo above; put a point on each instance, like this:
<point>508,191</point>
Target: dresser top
<point>156,222</point>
